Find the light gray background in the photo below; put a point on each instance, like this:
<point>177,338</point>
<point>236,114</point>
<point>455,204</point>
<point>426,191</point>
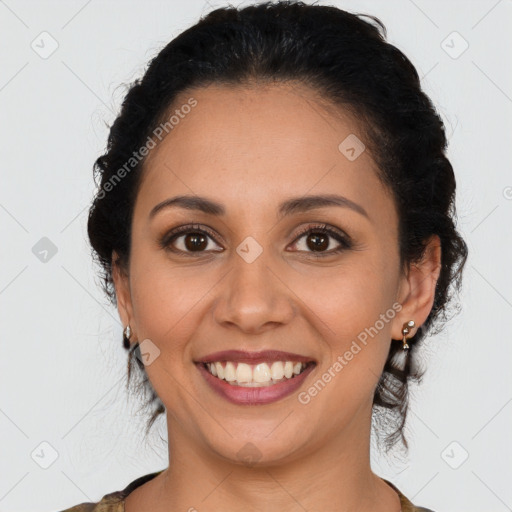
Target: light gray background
<point>62,367</point>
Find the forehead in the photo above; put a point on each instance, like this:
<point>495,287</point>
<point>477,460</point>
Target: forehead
<point>284,121</point>
<point>247,145</point>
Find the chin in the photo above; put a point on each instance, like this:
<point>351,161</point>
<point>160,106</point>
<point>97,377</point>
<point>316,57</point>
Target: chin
<point>257,450</point>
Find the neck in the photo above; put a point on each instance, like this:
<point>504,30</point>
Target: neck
<point>325,476</point>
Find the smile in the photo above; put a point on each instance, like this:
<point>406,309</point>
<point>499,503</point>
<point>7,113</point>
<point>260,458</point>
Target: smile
<point>262,383</point>
<point>258,375</point>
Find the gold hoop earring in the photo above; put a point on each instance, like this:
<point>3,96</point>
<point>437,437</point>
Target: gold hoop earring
<point>406,329</point>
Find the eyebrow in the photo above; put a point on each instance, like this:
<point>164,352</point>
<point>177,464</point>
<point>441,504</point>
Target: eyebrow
<point>289,207</point>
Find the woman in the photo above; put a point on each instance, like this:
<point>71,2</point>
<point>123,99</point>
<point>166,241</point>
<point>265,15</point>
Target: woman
<point>275,220</point>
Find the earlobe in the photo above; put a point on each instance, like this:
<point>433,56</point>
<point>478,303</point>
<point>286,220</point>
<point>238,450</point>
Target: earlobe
<point>419,288</point>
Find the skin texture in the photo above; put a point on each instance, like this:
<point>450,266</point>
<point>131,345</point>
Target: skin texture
<point>250,148</point>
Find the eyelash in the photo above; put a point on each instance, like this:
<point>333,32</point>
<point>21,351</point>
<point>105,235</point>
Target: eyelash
<point>345,241</point>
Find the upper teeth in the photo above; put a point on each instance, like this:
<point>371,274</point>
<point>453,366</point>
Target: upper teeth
<point>259,373</point>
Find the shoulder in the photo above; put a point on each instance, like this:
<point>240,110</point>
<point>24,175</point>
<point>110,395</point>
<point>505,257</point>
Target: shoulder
<point>109,503</point>
<point>407,505</point>
<point>114,501</point>
<point>83,507</point>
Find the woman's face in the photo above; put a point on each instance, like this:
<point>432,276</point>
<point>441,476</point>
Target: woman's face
<point>257,281</point>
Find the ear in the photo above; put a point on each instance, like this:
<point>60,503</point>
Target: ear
<point>417,289</point>
<point>122,286</point>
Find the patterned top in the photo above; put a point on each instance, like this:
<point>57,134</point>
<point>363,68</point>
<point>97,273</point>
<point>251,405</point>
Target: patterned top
<point>114,502</point>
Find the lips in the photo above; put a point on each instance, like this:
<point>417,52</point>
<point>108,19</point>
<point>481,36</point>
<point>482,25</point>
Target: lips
<point>254,395</point>
<point>242,356</point>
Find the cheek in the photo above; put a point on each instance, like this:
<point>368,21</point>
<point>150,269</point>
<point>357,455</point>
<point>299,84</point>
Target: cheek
<point>352,308</point>
<point>355,307</point>
<point>165,301</point>
<point>350,297</point>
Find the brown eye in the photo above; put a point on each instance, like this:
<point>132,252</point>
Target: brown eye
<point>195,241</point>
<point>318,239</point>
<point>187,240</point>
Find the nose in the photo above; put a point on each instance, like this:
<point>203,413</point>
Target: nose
<point>253,297</point>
